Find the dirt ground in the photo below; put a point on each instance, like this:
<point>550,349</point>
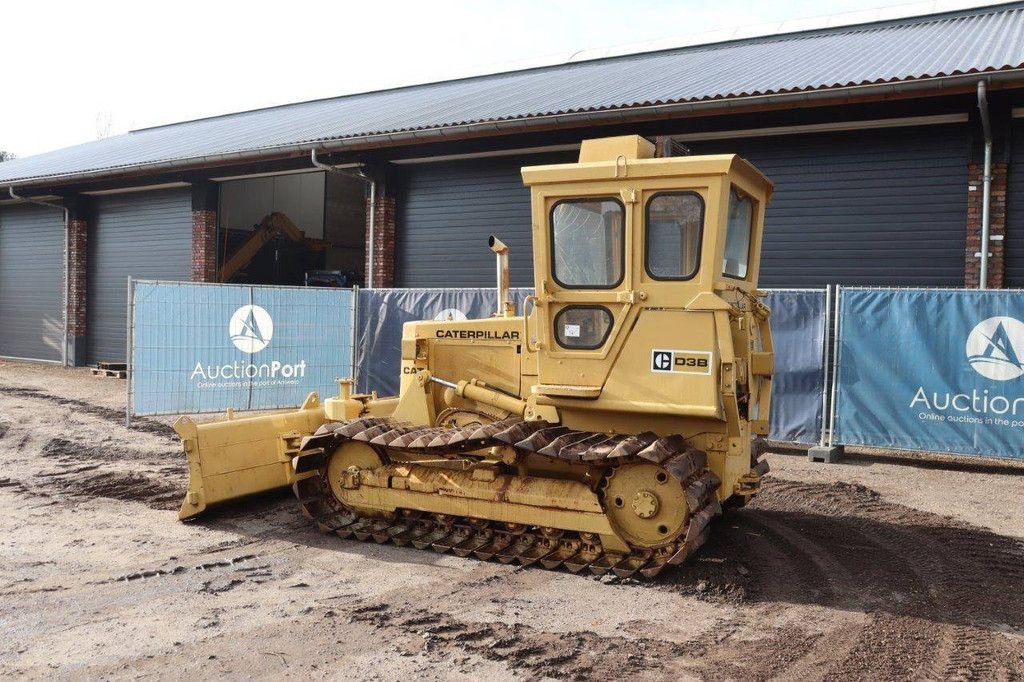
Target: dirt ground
<point>878,568</point>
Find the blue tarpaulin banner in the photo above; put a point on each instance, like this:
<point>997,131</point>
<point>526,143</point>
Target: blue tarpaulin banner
<point>798,324</point>
<point>798,333</point>
<point>934,370</point>
<point>205,348</point>
<point>382,312</point>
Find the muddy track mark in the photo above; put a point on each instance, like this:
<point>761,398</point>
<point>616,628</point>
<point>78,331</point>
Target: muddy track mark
<point>117,485</point>
<point>576,655</point>
<point>106,413</point>
<point>69,451</point>
<point>937,592</point>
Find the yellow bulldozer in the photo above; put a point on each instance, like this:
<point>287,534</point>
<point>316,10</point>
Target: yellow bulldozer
<point>602,429</point>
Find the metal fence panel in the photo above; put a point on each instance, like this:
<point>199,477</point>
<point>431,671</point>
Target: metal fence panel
<point>933,370</point>
<point>204,348</point>
<point>798,331</point>
<point>798,323</point>
<point>382,312</point>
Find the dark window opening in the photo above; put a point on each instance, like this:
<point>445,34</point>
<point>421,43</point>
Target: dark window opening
<point>583,327</point>
<point>588,243</point>
<point>737,235</point>
<point>675,221</point>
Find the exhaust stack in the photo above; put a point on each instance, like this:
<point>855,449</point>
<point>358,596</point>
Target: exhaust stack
<point>506,308</point>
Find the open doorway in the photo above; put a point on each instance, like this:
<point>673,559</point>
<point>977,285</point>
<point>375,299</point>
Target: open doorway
<point>292,229</point>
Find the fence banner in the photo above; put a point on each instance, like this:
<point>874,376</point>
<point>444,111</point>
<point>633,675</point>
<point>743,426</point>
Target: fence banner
<point>798,331</point>
<point>934,370</point>
<point>204,347</point>
<point>382,312</point>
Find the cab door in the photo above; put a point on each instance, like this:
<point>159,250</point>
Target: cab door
<point>585,286</point>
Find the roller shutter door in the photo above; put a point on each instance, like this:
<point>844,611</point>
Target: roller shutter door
<point>870,207</point>
<point>447,210</point>
<point>147,235</point>
<point>1014,258</point>
<point>31,282</point>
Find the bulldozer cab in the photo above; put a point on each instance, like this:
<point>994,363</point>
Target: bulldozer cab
<point>622,235</point>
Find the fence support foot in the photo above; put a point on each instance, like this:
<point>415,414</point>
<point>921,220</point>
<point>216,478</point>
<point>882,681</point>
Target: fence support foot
<point>829,454</point>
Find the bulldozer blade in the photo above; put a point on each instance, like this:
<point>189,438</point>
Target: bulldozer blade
<point>235,458</point>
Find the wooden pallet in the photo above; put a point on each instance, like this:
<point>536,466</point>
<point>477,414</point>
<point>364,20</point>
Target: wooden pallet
<point>116,370</point>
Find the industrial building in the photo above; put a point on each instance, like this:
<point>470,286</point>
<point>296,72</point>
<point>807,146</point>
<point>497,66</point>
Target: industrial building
<point>876,136</point>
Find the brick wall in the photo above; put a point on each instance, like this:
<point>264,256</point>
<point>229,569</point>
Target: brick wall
<point>383,248</point>
<point>78,230</point>
<point>997,226</point>
<point>204,245</point>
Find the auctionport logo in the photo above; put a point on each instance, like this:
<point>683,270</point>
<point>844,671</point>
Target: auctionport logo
<point>251,328</point>
<point>995,348</point>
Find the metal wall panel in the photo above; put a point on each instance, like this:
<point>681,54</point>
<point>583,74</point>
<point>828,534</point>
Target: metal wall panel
<point>31,282</point>
<point>1014,258</point>
<point>447,210</point>
<point>869,207</point>
<point>146,235</point>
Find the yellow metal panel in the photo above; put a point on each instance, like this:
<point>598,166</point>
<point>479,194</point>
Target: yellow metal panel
<point>688,384</point>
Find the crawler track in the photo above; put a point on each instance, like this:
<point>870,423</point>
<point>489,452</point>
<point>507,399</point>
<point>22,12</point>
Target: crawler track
<point>549,548</point>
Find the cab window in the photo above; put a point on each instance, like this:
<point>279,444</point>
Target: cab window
<point>583,327</point>
<point>737,234</point>
<point>588,243</point>
<point>674,223</point>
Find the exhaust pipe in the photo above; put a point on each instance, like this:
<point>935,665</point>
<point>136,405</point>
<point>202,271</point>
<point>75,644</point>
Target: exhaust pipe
<point>506,308</point>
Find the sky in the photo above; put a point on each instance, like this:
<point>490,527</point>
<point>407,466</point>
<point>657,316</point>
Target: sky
<point>76,71</point>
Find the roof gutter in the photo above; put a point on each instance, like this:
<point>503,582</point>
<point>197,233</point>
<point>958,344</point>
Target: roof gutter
<point>67,279</point>
<point>521,125</point>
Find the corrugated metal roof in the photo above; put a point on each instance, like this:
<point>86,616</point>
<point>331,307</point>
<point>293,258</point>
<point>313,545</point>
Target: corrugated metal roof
<point>987,39</point>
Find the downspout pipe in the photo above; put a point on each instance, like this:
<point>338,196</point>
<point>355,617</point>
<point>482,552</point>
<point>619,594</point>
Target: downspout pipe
<point>986,185</point>
<point>67,278</point>
<point>359,173</point>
